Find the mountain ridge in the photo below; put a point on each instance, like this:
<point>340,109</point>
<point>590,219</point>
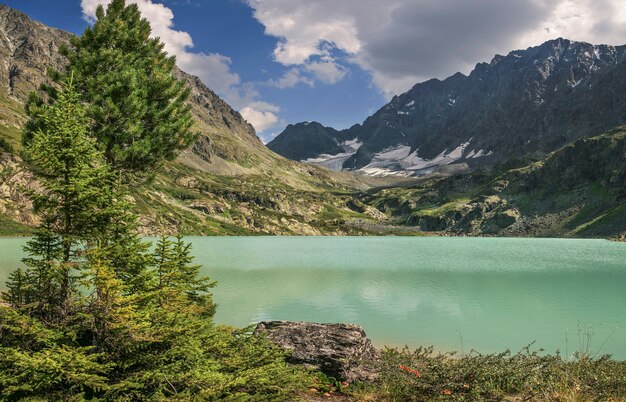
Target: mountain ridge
<point>228,183</point>
<point>532,100</point>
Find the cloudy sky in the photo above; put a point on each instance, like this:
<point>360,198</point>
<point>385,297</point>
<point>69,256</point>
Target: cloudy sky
<point>337,61</point>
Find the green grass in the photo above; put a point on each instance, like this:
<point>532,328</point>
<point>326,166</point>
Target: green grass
<point>423,375</point>
<point>439,210</point>
<point>12,228</point>
<point>332,213</point>
<point>11,136</point>
<point>607,222</point>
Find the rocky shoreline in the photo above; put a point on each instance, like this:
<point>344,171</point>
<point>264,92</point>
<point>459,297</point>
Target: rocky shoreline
<point>341,351</point>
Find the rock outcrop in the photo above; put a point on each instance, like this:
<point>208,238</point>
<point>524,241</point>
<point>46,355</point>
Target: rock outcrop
<point>342,351</point>
<point>15,183</point>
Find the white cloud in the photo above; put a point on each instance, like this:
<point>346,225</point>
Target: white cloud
<point>325,70</point>
<point>290,79</point>
<point>261,115</point>
<point>299,42</point>
<point>594,21</point>
<point>212,68</point>
<point>328,71</point>
<point>402,42</point>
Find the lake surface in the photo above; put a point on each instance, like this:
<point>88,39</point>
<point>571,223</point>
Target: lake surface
<point>487,294</point>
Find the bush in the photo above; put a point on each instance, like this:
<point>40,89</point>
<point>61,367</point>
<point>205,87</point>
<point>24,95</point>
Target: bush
<point>6,146</point>
<point>423,374</point>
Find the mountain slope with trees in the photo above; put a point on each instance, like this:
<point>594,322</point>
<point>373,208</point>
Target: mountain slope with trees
<point>226,182</point>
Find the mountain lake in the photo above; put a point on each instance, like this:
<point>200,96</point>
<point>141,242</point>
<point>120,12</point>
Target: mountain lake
<point>455,293</point>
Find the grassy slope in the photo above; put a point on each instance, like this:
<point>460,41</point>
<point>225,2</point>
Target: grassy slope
<point>242,189</point>
<point>11,119</point>
<point>245,190</point>
<point>579,190</point>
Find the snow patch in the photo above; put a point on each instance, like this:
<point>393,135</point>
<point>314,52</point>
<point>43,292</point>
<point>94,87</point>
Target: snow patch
<point>596,52</point>
<point>383,172</point>
<point>410,104</point>
<point>396,152</point>
<point>400,160</point>
<point>351,145</point>
<point>335,162</point>
<point>478,154</point>
<point>415,162</point>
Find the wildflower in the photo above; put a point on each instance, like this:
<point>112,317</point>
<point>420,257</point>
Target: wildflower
<point>446,392</point>
<point>409,370</point>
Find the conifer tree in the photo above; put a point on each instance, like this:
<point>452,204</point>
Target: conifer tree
<point>140,325</point>
<point>18,292</point>
<point>42,290</point>
<point>74,202</point>
<point>138,108</point>
<point>115,318</point>
<point>178,279</point>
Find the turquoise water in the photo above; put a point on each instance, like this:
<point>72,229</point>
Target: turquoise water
<point>487,294</point>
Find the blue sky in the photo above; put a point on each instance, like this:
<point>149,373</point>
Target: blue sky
<point>337,61</point>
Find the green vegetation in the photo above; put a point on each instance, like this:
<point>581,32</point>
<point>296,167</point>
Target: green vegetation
<point>138,108</point>
<point>95,314</point>
<point>577,191</point>
<point>5,146</point>
<point>12,228</point>
<point>11,118</point>
<point>423,374</point>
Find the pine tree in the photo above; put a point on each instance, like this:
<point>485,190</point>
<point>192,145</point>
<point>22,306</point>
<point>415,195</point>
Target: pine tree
<point>138,108</point>
<point>96,315</point>
<point>18,292</point>
<point>114,315</point>
<point>74,203</point>
<point>42,277</point>
<point>178,281</point>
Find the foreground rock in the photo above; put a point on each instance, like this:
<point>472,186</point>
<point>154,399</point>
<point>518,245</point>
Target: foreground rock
<point>342,351</point>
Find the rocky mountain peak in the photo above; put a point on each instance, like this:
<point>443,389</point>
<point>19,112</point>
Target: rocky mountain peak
<point>529,101</point>
<point>28,48</point>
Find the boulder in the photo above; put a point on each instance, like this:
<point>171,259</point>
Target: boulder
<point>342,351</point>
<point>506,218</point>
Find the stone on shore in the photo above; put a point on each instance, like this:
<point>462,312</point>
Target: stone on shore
<point>342,351</point>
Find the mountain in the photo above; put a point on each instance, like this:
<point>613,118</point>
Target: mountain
<point>306,140</point>
<point>228,182</point>
<point>529,101</point>
<point>29,49</point>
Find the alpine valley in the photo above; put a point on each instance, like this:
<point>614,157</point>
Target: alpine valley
<point>530,144</point>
